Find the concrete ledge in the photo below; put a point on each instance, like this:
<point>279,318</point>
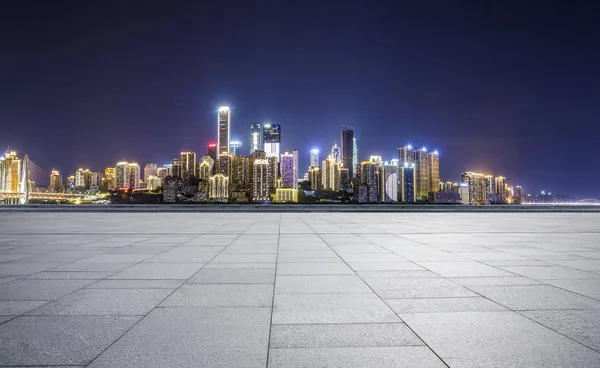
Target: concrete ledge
<point>295,208</point>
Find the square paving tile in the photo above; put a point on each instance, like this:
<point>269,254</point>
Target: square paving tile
<point>233,276</point>
<point>437,305</point>
<point>535,297</point>
<point>321,284</point>
<point>337,268</point>
<point>159,271</point>
<point>581,325</point>
<point>226,295</point>
<point>39,289</point>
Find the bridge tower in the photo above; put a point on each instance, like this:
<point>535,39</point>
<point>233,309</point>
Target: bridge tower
<point>24,185</point>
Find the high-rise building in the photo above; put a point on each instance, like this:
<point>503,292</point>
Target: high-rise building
<point>206,167</point>
<point>376,159</point>
<point>149,170</point>
<point>153,182</point>
<point>501,188</point>
<point>434,171</point>
<point>422,186</point>
<point>219,187</point>
<point>367,180</point>
<point>354,157</point>
<point>122,175</point>
<point>476,183</point>
<point>224,164</point>
<point>518,195</point>
<point>235,148</point>
<point>287,171</point>
<point>96,181</point>
<point>286,195</point>
<point>256,137</point>
<point>348,150</point>
<point>261,181</point>
<point>271,139</point>
<point>315,178</point>
<point>464,191</point>
<point>188,165</point>
<point>212,151</point>
<point>110,175</point>
<point>134,175</point>
<point>344,178</point>
<point>83,179</point>
<point>176,168</point>
<point>239,175</point>
<point>406,154</point>
<point>10,172</point>
<point>331,174</point>
<point>273,171</point>
<point>163,172</point>
<point>489,185</point>
<point>314,157</point>
<point>224,126</point>
<point>56,184</point>
<point>336,153</point>
<point>408,178</point>
<point>388,183</point>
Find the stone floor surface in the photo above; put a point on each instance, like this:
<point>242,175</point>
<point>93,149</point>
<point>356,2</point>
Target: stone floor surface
<point>299,290</point>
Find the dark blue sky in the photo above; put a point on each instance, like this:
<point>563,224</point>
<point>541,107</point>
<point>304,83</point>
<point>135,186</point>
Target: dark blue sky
<point>510,88</point>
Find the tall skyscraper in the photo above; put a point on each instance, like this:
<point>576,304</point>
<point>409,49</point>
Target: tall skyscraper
<point>122,175</point>
<point>501,188</point>
<point>408,177</point>
<point>224,164</point>
<point>149,170</point>
<point>56,184</point>
<point>314,157</point>
<point>367,180</point>
<point>271,139</point>
<point>153,182</point>
<point>206,167</point>
<point>212,151</point>
<point>331,174</point>
<point>388,183</point>
<point>434,171</point>
<point>422,170</point>
<point>464,192</point>
<point>224,129</point>
<point>296,168</point>
<point>273,172</point>
<point>235,148</point>
<point>239,175</point>
<point>344,178</point>
<point>176,167</point>
<point>110,175</point>
<point>134,175</point>
<point>10,172</point>
<point>256,137</point>
<point>260,181</point>
<point>83,179</point>
<point>219,187</point>
<point>348,150</point>
<point>354,156</point>
<point>518,195</point>
<point>287,170</point>
<point>188,165</point>
<point>315,178</point>
<point>406,154</point>
<point>336,153</point>
<point>489,185</point>
<point>476,183</point>
<point>163,172</point>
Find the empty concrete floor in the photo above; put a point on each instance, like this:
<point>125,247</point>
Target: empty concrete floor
<point>300,290</point>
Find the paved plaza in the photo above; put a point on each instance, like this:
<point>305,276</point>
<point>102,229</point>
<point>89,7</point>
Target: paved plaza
<point>300,290</point>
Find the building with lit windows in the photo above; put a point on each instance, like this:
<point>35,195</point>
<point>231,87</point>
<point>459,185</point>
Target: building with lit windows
<point>110,178</point>
<point>331,174</point>
<point>56,183</point>
<point>434,171</point>
<point>261,186</point>
<point>256,137</point>
<point>83,179</point>
<point>122,175</point>
<point>188,165</point>
<point>205,169</point>
<point>406,154</point>
<point>212,151</point>
<point>153,182</point>
<point>344,178</point>
<point>489,185</point>
<point>149,170</point>
<point>134,175</point>
<point>239,175</point>
<point>408,178</point>
<point>500,187</point>
<point>164,171</point>
<point>336,153</point>
<point>219,187</point>
<point>315,178</point>
<point>272,139</point>
<point>422,184</point>
<point>348,150</point>
<point>368,188</point>
<point>235,148</point>
<point>376,159</point>
<point>314,157</point>
<point>224,164</point>
<point>476,183</point>
<point>286,195</point>
<point>287,171</point>
<point>10,172</point>
<point>518,195</point>
<point>388,183</point>
<point>224,126</point>
<point>354,157</point>
<point>464,192</point>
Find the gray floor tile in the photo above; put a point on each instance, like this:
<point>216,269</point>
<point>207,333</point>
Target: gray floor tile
<point>233,276</point>
<point>581,325</point>
<point>136,284</point>
<point>337,268</point>
<point>15,308</point>
<point>67,275</point>
<point>58,340</point>
<point>225,295</point>
<point>535,297</point>
<point>437,305</point>
<point>159,271</point>
<point>39,289</point>
<point>424,287</point>
<point>463,269</point>
<point>491,280</point>
<point>590,288</point>
<point>550,272</point>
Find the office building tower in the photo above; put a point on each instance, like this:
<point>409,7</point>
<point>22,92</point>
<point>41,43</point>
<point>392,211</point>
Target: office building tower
<point>134,175</point>
<point>408,178</point>
<point>344,178</point>
<point>368,184</point>
<point>56,184</point>
<point>434,171</point>
<point>188,165</point>
<point>10,172</point>
<point>422,185</point>
<point>83,179</point>
<point>315,178</point>
<point>455,187</point>
<point>388,183</point>
<point>354,157</point>
<point>256,137</point>
<point>287,171</point>
<point>153,182</point>
<point>163,172</point>
<point>122,175</point>
<point>296,168</point>
<point>171,186</point>
<point>336,153</point>
<point>176,168</point>
<point>476,183</point>
<point>489,185</point>
<point>331,174</point>
<point>314,157</point>
<point>224,122</point>
<point>271,139</point>
<point>518,195</point>
<point>149,170</point>
<point>224,164</point>
<point>286,195</point>
<point>239,175</point>
<point>376,159</point>
<point>212,151</point>
<point>95,181</point>
<point>206,167</point>
<point>70,182</point>
<point>235,148</point>
<point>348,150</point>
<point>219,187</point>
<point>273,171</point>
<point>260,180</point>
<point>110,175</point>
<point>501,189</point>
<point>406,154</point>
<point>464,191</point>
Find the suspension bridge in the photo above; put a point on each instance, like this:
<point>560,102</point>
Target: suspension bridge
<point>20,178</point>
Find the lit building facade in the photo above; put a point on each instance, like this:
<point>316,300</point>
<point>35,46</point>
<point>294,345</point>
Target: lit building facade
<point>224,125</point>
<point>406,154</point>
<point>464,192</point>
<point>235,148</point>
<point>212,151</point>
<point>354,157</point>
<point>315,178</point>
<point>163,172</point>
<point>518,195</point>
<point>206,167</point>
<point>272,139</point>
<point>368,189</point>
<point>56,183</point>
<point>10,172</point>
<point>501,188</point>
<point>287,171</point>
<point>489,185</point>
<point>408,178</point>
<point>286,195</point>
<point>134,175</point>
<point>219,187</point>
<point>331,174</point>
<point>434,171</point>
<point>314,157</point>
<point>476,183</point>
<point>188,165</point>
<point>110,175</point>
<point>336,153</point>
<point>388,183</point>
<point>239,175</point>
<point>153,182</point>
<point>256,137</point>
<point>261,181</point>
<point>224,164</point>
<point>348,150</point>
<point>421,162</point>
<point>83,179</point>
<point>122,175</point>
<point>149,170</point>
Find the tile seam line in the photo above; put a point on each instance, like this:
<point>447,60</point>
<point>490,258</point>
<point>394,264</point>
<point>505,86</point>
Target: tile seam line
<point>377,295</point>
<point>273,299</point>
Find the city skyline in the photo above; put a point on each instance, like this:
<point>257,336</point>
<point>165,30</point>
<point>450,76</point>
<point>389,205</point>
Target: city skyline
<point>88,85</point>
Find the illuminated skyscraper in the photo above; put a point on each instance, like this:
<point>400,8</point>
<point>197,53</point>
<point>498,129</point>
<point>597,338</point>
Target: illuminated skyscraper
<point>83,179</point>
<point>56,184</point>
<point>153,182</point>
<point>239,176</point>
<point>260,180</point>
<point>376,160</point>
<point>273,171</point>
<point>406,154</point>
<point>348,150</point>
<point>367,178</point>
<point>219,187</point>
<point>224,129</point>
<point>163,172</point>
<point>354,157</point>
<point>256,137</point>
<point>96,181</point>
<point>287,171</point>
<point>434,171</point>
<point>149,170</point>
<point>122,175</point>
<point>315,178</point>
<point>224,164</point>
<point>110,177</point>
<point>286,195</point>
<point>212,151</point>
<point>314,157</point>
<point>408,178</point>
<point>134,175</point>
<point>176,167</point>
<point>188,165</point>
<point>489,185</point>
<point>331,174</point>
<point>476,183</point>
<point>518,195</point>
<point>235,148</point>
<point>271,139</point>
<point>501,188</point>
<point>388,183</point>
<point>206,167</point>
<point>336,153</point>
<point>10,172</point>
<point>422,185</point>
<point>344,178</point>
<point>464,191</point>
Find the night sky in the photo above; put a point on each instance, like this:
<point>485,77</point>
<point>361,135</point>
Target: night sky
<point>510,88</point>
